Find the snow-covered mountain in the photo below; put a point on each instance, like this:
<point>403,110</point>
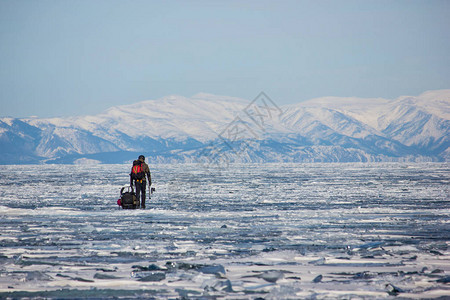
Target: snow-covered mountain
<point>215,129</point>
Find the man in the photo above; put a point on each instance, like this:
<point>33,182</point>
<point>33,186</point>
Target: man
<point>138,173</point>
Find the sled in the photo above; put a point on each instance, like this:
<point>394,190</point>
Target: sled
<point>128,198</point>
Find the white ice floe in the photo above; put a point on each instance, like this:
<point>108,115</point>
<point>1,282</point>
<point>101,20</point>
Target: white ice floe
<point>274,231</point>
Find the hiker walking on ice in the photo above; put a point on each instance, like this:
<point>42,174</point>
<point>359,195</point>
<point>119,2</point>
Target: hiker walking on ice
<point>139,171</point>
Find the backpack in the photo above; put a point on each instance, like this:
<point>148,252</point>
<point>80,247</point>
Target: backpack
<point>137,173</point>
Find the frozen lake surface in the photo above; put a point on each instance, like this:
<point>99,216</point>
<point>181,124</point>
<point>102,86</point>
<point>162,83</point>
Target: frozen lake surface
<point>269,231</point>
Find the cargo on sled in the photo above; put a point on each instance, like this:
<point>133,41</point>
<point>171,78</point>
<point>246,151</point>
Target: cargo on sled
<point>128,199</point>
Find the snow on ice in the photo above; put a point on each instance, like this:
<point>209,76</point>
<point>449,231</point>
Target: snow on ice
<point>271,231</point>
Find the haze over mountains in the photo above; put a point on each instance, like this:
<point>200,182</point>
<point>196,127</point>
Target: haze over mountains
<point>220,129</point>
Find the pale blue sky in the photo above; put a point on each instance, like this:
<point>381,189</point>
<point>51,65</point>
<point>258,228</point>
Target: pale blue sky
<point>77,57</point>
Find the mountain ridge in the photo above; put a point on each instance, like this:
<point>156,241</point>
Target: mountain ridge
<point>177,128</point>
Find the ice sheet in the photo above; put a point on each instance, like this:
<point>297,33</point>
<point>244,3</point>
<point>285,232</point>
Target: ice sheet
<point>260,230</point>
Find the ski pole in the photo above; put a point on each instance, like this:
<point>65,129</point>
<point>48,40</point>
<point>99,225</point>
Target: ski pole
<point>149,191</point>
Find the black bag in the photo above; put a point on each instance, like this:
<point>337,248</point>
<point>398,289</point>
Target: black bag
<point>128,198</point>
<point>136,172</point>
